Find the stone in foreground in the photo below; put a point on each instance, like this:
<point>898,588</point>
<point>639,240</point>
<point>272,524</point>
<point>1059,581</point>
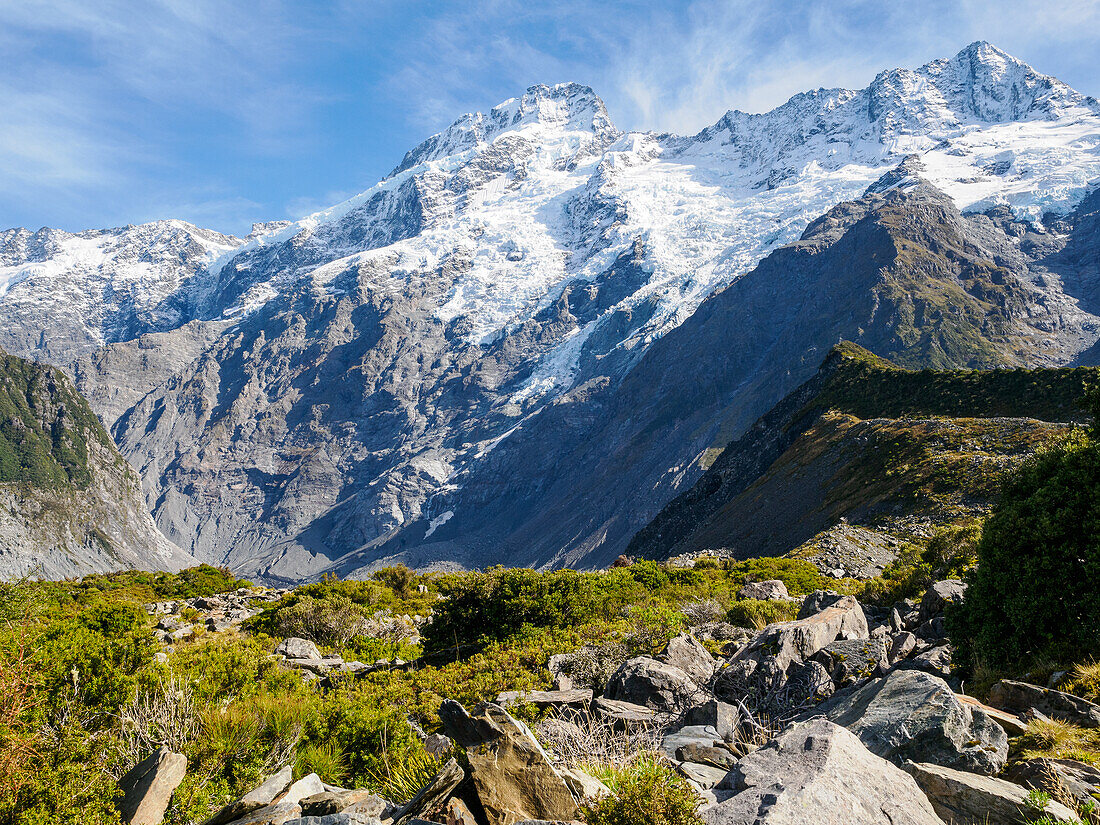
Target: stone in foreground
<point>513,776</point>
<point>964,798</point>
<point>817,772</point>
<point>148,787</point>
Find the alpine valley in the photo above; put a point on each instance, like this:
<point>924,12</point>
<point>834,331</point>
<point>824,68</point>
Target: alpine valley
<point>538,330</point>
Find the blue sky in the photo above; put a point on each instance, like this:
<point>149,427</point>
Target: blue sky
<point>223,112</point>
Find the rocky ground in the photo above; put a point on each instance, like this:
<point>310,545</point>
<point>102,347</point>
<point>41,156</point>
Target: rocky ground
<point>847,714</point>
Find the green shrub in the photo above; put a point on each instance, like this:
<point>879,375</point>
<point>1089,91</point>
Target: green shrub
<point>497,604</point>
<point>1033,592</point>
<point>646,793</point>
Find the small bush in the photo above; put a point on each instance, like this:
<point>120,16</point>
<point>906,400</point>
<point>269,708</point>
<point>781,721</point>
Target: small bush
<point>646,793</point>
<point>324,759</point>
<point>332,621</point>
<point>758,613</point>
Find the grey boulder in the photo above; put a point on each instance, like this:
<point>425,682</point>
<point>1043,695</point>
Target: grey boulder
<point>656,685</point>
<point>772,589</point>
<point>913,715</point>
<point>295,648</point>
<point>817,772</point>
<point>687,653</point>
<point>939,595</point>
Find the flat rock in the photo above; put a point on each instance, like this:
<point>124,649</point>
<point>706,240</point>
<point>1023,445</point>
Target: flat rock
<point>553,699</point>
<point>691,735</point>
<point>334,802</point>
<point>913,715</point>
<point>960,796</point>
<point>623,716</point>
<point>817,772</point>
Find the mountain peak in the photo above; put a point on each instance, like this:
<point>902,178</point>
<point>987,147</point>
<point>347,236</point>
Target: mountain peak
<point>564,108</point>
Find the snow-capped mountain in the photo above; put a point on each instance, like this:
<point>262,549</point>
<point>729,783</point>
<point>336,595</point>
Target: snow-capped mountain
<point>358,376</point>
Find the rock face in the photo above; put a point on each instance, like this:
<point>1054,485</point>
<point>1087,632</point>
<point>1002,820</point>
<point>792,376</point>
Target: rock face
<point>513,775</point>
<point>819,772</point>
<point>69,503</point>
<point>913,715</point>
<point>959,796</point>
<point>476,359</point>
<point>148,787</point>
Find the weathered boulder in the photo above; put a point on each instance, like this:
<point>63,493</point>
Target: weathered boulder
<point>308,785</point>
<point>295,648</point>
<point>277,813</point>
<point>901,645</point>
<point>772,589</point>
<point>909,714</point>
<point>584,785</point>
<point>817,772</point>
<point>934,660</point>
<point>960,796</point>
<point>817,601</point>
<point>703,775</point>
<point>513,775</point>
<point>851,659</point>
<point>346,818</point>
<point>655,685</point>
<point>938,596</point>
<point>148,786</point>
<point>260,797</point>
<point>688,654</point>
<point>334,802</point>
<point>797,641</point>
<point>1020,697</point>
<point>433,795</point>
<point>437,744</point>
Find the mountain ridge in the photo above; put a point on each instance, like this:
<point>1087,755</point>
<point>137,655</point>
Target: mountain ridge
<point>339,388</point>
